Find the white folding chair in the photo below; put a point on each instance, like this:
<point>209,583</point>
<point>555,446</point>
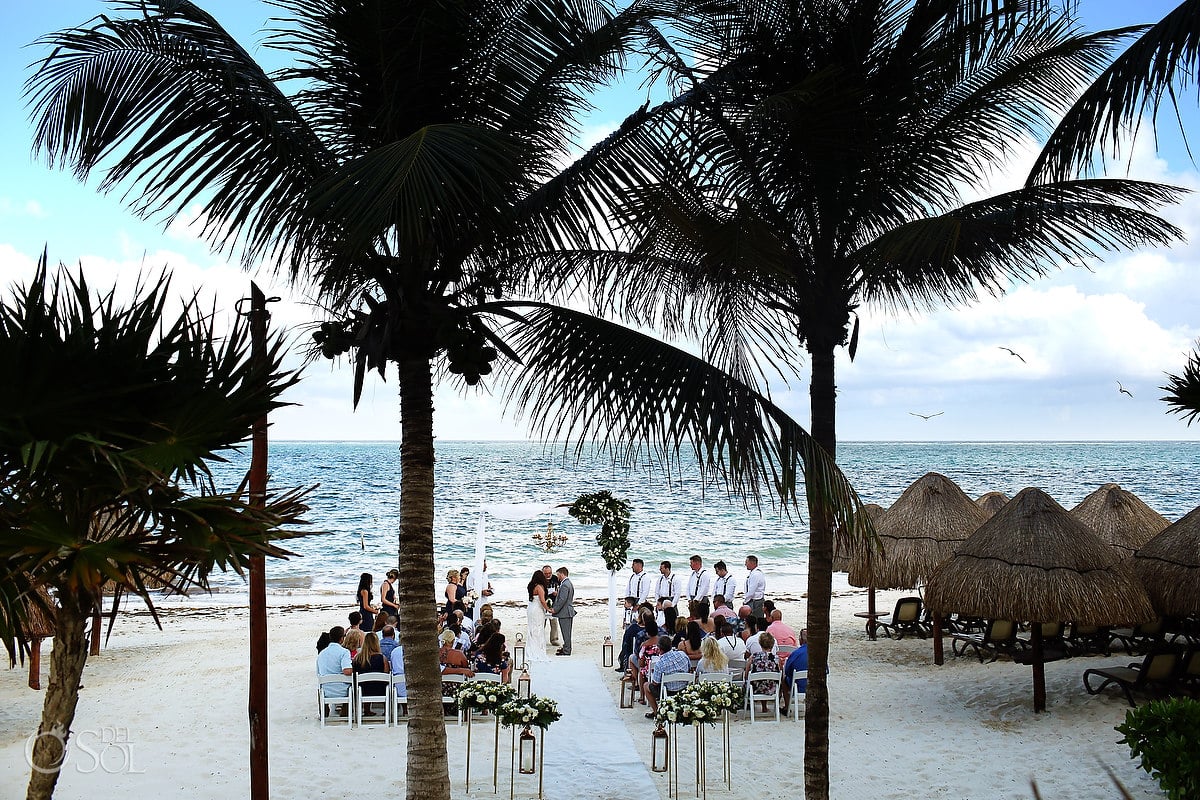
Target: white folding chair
<point>486,677</point>
<point>753,697</point>
<point>798,693</point>
<point>364,698</point>
<point>737,666</point>
<point>450,684</point>
<point>714,677</point>
<point>324,700</point>
<point>399,689</point>
<point>675,677</point>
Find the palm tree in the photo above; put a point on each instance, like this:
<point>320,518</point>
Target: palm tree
<point>817,160</point>
<point>417,161</point>
<point>104,454</point>
<point>1162,61</point>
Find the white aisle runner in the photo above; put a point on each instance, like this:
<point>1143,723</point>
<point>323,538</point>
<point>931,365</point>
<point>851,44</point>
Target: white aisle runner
<point>589,753</point>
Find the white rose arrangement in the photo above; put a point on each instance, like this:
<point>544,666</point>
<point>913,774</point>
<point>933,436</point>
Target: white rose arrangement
<point>535,711</point>
<point>480,696</point>
<point>700,703</point>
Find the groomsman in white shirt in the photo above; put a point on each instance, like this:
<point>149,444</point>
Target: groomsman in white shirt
<point>699,584</point>
<point>724,584</point>
<point>756,587</point>
<point>666,596</point>
<point>638,586</point>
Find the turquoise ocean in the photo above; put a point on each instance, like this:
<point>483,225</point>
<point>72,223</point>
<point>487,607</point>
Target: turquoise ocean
<point>356,505</point>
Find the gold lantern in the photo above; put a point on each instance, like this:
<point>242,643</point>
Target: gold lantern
<point>518,653</point>
<point>527,752</point>
<point>658,749</point>
<point>523,685</point>
<point>607,651</point>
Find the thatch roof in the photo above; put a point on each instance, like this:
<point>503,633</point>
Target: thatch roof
<point>991,502</point>
<point>917,533</point>
<point>1034,562</point>
<point>1119,518</point>
<point>1169,566</point>
<point>841,552</point>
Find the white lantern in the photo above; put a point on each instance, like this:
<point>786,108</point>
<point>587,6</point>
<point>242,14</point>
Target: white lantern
<point>658,749</point>
<point>518,653</point>
<point>528,752</point>
<point>607,651</point>
<point>523,685</point>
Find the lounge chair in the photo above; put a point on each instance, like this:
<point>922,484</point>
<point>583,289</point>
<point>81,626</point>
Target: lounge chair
<point>1139,639</point>
<point>1188,679</point>
<point>1084,640</point>
<point>906,618</point>
<point>1156,671</point>
<point>1000,636</point>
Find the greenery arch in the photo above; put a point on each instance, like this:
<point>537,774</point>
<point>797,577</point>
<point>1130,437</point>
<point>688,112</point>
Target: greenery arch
<point>612,515</point>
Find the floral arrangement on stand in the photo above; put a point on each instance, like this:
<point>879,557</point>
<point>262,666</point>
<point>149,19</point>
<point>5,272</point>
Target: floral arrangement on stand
<point>701,703</point>
<point>533,711</point>
<point>612,514</point>
<point>484,696</point>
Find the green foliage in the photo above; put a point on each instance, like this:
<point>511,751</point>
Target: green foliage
<point>1164,734</point>
<point>1183,391</point>
<point>612,514</point>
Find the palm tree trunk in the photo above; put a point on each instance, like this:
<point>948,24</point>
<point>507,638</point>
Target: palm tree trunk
<point>823,398</point>
<point>62,696</point>
<point>428,771</point>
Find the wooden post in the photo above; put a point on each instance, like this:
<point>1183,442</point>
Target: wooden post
<point>1039,669</point>
<point>35,663</point>
<point>939,653</point>
<point>259,772</point>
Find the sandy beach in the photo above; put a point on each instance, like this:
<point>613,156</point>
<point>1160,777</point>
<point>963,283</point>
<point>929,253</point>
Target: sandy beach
<point>163,714</point>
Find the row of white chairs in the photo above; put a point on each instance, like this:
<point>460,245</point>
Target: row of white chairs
<point>752,698</point>
<point>395,698</point>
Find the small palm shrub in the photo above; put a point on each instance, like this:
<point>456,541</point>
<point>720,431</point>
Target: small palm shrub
<point>1164,734</point>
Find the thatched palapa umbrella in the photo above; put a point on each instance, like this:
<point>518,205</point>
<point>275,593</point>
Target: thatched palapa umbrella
<point>842,552</point>
<point>919,531</point>
<point>1119,518</point>
<point>991,502</point>
<point>1034,562</point>
<point>1169,566</point>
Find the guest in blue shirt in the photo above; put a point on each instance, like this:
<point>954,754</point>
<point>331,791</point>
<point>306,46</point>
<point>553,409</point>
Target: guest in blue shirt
<point>388,643</point>
<point>335,660</point>
<point>798,660</point>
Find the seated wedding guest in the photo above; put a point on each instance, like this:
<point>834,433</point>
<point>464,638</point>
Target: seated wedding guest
<point>768,609</point>
<point>692,640</point>
<point>380,624</point>
<point>370,659</point>
<point>453,661</point>
<point>712,658</point>
<point>698,611</point>
<point>681,626</point>
<point>628,639</point>
<point>798,660</point>
<point>396,662</point>
<point>783,634</point>
<point>486,614</point>
<point>323,640</point>
<point>646,655</point>
<point>355,620</point>
<point>669,660</point>
<point>732,646</point>
<point>764,660</point>
<point>388,642</point>
<point>494,659</point>
<point>465,622</point>
<point>722,609</point>
<point>353,641</point>
<point>334,659</point>
<point>742,624</point>
<point>754,627</point>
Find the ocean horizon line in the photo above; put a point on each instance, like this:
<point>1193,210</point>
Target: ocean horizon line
<point>840,441</point>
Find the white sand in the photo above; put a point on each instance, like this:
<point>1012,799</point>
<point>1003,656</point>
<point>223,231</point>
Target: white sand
<point>163,715</point>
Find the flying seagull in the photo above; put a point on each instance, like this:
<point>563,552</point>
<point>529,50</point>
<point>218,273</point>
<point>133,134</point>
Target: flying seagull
<point>1012,352</point>
<point>927,417</point>
<point>1123,390</point>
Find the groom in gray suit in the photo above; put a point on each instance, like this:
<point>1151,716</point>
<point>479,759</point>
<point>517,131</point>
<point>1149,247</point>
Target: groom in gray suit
<point>564,610</point>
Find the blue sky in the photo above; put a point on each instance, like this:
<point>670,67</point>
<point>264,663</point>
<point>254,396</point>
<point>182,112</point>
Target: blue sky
<point>1129,319</point>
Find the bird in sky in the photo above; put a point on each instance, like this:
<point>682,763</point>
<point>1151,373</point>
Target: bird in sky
<point>1123,390</point>
<point>927,417</point>
<point>1012,352</point>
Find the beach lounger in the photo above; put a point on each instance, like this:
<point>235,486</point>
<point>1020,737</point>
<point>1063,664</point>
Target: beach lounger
<point>999,637</point>
<point>1156,671</point>
<point>1084,640</point>
<point>1188,680</point>
<point>1139,639</point>
<point>906,619</point>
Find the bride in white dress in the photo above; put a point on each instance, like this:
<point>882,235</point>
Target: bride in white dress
<point>535,615</point>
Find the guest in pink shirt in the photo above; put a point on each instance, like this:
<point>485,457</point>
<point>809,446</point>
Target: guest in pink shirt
<point>782,633</point>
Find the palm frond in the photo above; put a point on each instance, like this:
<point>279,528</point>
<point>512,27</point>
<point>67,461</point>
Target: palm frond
<point>1183,391</point>
<point>174,110</point>
<point>1011,237</point>
<point>1164,59</point>
<point>584,379</point>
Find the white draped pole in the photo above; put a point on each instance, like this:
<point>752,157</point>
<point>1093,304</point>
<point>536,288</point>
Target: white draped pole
<point>477,581</point>
<point>612,605</point>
